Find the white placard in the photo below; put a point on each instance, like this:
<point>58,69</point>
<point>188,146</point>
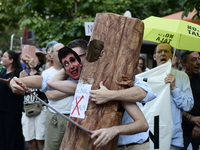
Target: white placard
<point>80,102</point>
<point>158,111</point>
<point>88,28</point>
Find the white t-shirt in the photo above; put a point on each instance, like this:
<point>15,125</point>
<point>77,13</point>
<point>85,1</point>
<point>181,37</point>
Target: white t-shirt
<point>62,105</point>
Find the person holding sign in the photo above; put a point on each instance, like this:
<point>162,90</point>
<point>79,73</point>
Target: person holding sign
<point>72,65</point>
<point>137,93</point>
<point>54,97</point>
<point>181,93</point>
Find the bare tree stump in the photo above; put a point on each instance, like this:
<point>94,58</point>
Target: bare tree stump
<point>122,37</point>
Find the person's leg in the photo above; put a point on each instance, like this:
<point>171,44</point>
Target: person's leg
<point>186,140</point>
<point>47,143</point>
<point>40,128</point>
<point>195,144</point>
<point>54,132</point>
<point>13,129</point>
<point>28,127</point>
<point>2,131</point>
<point>25,145</point>
<point>32,145</point>
<point>40,144</point>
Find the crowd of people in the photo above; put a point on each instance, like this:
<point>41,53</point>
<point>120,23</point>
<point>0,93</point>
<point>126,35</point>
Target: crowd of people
<point>54,78</point>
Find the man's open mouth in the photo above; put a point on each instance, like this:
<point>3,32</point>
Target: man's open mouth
<point>163,59</point>
<point>197,68</point>
<point>74,72</point>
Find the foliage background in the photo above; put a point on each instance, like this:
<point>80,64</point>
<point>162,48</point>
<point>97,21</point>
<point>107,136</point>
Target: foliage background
<point>63,20</point>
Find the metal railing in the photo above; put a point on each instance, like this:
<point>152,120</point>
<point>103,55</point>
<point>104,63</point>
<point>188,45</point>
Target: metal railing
<point>16,42</point>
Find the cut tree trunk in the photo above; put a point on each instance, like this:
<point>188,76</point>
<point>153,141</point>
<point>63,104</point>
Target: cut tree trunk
<point>122,38</point>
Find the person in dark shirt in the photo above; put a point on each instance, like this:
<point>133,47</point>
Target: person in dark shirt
<point>191,120</point>
<point>11,105</point>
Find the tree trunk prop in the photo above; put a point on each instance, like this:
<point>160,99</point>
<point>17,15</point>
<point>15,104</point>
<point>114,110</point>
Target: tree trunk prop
<point>122,38</point>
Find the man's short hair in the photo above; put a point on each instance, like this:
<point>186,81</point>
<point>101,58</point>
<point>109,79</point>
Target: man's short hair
<point>172,49</point>
<point>78,43</point>
<point>63,52</point>
<point>184,54</point>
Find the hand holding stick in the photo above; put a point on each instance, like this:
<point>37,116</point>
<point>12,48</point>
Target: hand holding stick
<point>70,120</point>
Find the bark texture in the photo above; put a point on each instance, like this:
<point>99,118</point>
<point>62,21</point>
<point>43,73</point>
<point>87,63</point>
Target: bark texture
<point>122,38</point>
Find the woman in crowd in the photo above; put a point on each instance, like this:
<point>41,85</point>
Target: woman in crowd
<point>34,124</point>
<point>142,64</point>
<point>11,105</point>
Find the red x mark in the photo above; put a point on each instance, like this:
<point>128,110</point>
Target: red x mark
<point>76,107</point>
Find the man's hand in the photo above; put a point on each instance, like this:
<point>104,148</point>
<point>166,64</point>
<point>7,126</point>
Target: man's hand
<point>103,136</point>
<point>17,89</point>
<point>101,95</point>
<point>171,79</point>
<point>196,132</point>
<point>195,120</point>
